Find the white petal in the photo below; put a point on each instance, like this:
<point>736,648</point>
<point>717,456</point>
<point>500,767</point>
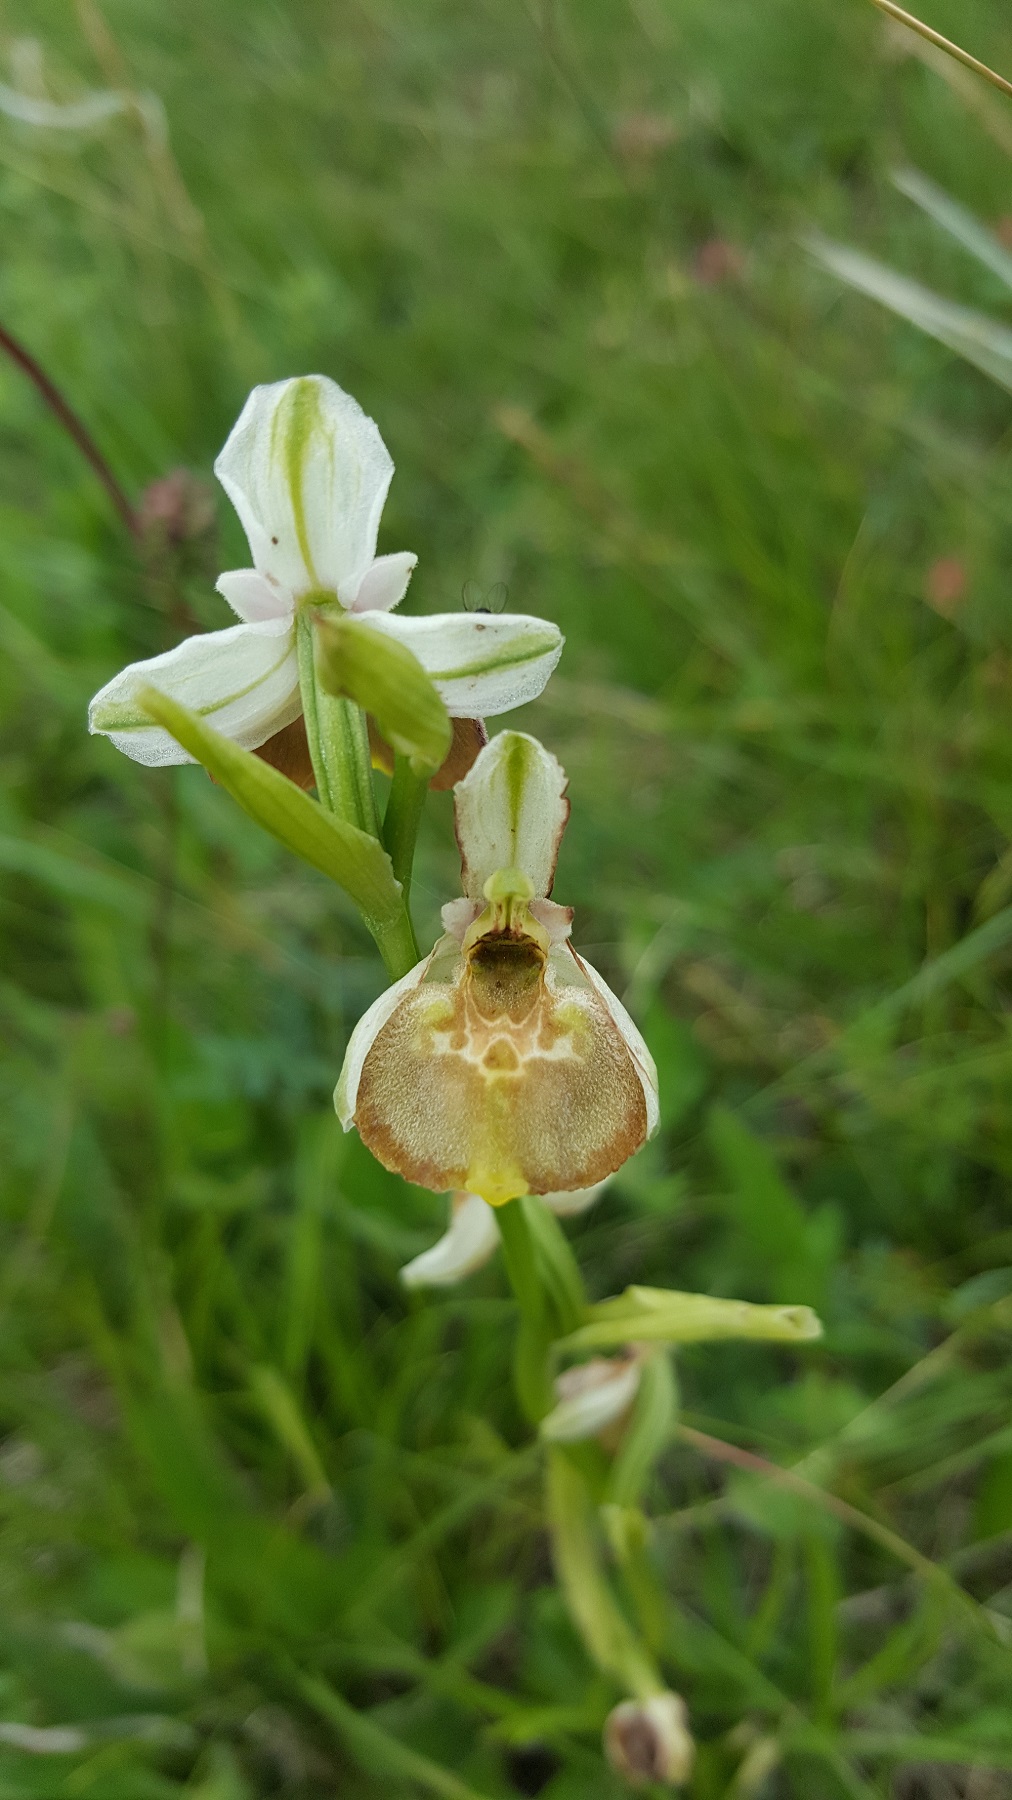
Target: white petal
<point>510,812</point>
<point>244,681</point>
<point>480,665</point>
<point>566,1206</point>
<point>252,597</point>
<point>470,1241</point>
<point>308,473</point>
<point>643,1062</point>
<point>457,915</point>
<point>362,1038</point>
<point>385,583</point>
<point>556,920</point>
<point>591,1396</point>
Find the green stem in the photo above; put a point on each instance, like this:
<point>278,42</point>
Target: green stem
<point>609,1637</point>
<point>546,1280</point>
<point>338,742</point>
<point>397,945</point>
<point>530,1355</point>
<point>402,819</point>
<point>339,747</point>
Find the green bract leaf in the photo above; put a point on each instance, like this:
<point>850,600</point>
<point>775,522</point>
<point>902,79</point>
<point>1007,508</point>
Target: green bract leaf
<point>387,679</point>
<point>663,1316</point>
<point>356,861</point>
<point>649,1430</point>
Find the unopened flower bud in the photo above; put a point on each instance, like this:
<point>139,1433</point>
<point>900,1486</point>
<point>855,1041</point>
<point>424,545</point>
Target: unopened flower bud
<point>591,1397</point>
<point>649,1740</point>
<point>176,508</point>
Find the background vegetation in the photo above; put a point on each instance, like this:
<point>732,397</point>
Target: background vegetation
<point>270,1526</point>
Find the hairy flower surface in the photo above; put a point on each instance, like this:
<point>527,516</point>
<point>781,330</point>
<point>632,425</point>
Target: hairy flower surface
<point>308,473</point>
<point>502,1064</point>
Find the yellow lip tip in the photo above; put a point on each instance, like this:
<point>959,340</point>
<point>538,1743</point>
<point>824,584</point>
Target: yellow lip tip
<point>496,1187</point>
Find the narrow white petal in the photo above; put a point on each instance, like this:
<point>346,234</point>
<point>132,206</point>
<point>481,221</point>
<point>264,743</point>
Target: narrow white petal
<point>308,473</point>
<point>482,665</point>
<point>385,582</point>
<point>466,1246</point>
<point>566,1206</point>
<point>364,1035</point>
<point>244,681</point>
<point>591,1396</point>
<point>252,597</point>
<point>556,920</point>
<point>644,1063</point>
<point>457,915</point>
<point>511,810</point>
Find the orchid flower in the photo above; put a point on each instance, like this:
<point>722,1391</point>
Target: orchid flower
<point>308,473</point>
<point>593,1396</point>
<point>502,1064</point>
<point>473,1236</point>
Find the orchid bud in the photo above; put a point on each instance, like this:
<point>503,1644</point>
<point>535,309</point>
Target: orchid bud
<point>591,1397</point>
<point>649,1740</point>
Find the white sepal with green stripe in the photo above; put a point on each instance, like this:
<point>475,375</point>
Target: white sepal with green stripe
<point>480,664</point>
<point>244,681</point>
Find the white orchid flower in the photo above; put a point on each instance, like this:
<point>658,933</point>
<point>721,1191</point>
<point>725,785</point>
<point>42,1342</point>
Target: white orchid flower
<point>473,1237</point>
<point>308,473</point>
<point>502,1064</point>
<point>591,1396</point>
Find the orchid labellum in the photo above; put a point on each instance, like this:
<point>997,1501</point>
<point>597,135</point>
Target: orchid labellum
<point>502,1064</point>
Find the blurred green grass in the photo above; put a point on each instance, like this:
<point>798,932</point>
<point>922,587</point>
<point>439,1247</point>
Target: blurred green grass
<point>271,1527</point>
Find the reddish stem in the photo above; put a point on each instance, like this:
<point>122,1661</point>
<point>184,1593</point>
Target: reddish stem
<point>72,425</point>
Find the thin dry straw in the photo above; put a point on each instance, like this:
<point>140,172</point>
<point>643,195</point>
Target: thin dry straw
<point>935,37</point>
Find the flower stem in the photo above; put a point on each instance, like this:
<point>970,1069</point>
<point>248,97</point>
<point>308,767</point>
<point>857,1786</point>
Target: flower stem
<point>338,742</point>
<point>397,945</point>
<point>530,1354</point>
<point>577,1553</point>
<point>72,425</point>
<point>549,1290</point>
<point>402,818</point>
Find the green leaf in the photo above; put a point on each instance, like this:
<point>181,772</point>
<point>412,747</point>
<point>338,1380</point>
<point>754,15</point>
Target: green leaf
<point>352,858</point>
<point>955,219</point>
<point>388,681</point>
<point>648,1432</point>
<point>789,1252</point>
<point>972,335</point>
<point>664,1316</point>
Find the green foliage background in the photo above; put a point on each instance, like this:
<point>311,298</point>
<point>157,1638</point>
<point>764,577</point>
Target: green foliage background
<point>271,1527</point>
